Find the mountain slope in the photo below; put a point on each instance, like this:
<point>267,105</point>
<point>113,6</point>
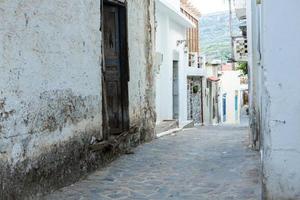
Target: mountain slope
<point>215,36</point>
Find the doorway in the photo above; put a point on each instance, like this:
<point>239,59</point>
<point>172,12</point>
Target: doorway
<point>116,71</point>
<point>175,91</point>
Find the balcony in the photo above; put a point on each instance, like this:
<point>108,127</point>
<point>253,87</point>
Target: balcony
<point>195,72</point>
<point>195,67</point>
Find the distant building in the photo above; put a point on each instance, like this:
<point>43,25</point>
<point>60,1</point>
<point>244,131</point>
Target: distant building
<point>212,93</point>
<point>230,95</point>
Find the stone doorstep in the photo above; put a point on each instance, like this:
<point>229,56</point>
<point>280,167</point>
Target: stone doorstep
<point>184,125</point>
<point>166,125</point>
<point>169,132</point>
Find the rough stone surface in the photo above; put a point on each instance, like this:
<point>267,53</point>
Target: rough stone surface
<point>194,99</point>
<point>51,91</point>
<point>199,163</point>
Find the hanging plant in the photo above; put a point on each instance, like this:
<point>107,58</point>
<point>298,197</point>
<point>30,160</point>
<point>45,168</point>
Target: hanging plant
<point>195,89</point>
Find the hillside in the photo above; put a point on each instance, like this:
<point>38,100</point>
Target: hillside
<point>215,37</point>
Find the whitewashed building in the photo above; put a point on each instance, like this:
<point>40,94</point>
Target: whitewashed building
<point>274,62</point>
<point>212,101</point>
<point>230,95</point>
<point>172,55</point>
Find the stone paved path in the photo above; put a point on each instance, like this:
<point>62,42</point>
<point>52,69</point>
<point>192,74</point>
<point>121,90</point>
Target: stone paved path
<point>211,163</point>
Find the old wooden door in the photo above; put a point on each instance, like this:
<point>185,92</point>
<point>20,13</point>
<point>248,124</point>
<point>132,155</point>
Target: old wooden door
<point>114,67</point>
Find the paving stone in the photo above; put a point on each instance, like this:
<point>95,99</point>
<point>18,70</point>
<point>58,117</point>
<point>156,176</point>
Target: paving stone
<point>203,163</point>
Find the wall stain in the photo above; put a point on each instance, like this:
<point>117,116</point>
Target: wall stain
<point>58,108</point>
<point>4,114</point>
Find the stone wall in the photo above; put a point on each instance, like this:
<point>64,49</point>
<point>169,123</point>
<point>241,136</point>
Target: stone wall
<point>50,94</point>
<point>194,100</point>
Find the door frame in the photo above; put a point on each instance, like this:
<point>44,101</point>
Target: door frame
<point>124,66</point>
<point>175,68</point>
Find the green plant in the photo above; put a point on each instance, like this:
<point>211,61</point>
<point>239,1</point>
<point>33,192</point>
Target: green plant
<point>243,66</point>
<point>195,89</point>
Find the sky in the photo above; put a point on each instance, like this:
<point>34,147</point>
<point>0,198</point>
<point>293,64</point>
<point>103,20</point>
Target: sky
<point>210,6</point>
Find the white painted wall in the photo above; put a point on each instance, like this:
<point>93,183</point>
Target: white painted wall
<point>255,70</point>
<point>230,83</point>
<point>210,93</point>
<point>281,99</point>
<point>274,93</point>
<point>169,31</point>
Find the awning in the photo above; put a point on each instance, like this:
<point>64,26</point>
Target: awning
<point>213,78</point>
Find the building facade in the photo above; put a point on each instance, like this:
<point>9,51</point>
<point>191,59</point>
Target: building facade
<point>274,99</point>
<point>69,88</point>
<point>212,99</point>
<point>230,95</point>
<point>195,69</point>
<point>171,75</point>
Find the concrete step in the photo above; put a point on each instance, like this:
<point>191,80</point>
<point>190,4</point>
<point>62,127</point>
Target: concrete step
<point>166,125</point>
<point>187,124</point>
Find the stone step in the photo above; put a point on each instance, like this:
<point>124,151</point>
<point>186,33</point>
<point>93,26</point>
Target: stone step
<point>166,125</point>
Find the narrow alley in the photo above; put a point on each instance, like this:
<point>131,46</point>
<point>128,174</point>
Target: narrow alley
<point>197,163</point>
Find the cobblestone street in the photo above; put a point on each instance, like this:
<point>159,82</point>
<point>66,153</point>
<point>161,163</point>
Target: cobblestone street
<point>207,163</point>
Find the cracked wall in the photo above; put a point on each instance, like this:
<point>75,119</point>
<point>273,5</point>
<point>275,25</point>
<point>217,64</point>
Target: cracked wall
<point>280,100</point>
<point>50,94</point>
<point>141,29</point>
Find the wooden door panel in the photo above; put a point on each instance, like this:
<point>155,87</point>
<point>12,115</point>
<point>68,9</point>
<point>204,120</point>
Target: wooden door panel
<point>113,103</point>
<point>112,68</point>
<point>111,32</point>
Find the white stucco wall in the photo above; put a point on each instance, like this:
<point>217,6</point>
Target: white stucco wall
<point>281,97</point>
<point>230,84</point>
<point>254,70</point>
<point>168,33</point>
<point>50,74</point>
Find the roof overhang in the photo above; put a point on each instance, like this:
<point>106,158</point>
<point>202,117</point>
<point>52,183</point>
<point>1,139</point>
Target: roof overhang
<point>175,14</point>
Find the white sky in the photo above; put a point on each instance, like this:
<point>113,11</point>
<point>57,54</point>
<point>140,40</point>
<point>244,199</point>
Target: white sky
<point>210,6</point>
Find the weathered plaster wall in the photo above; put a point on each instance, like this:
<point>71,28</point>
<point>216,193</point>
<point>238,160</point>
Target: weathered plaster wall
<point>50,90</point>
<point>50,82</point>
<point>141,44</point>
<point>281,108</point>
<point>254,74</point>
